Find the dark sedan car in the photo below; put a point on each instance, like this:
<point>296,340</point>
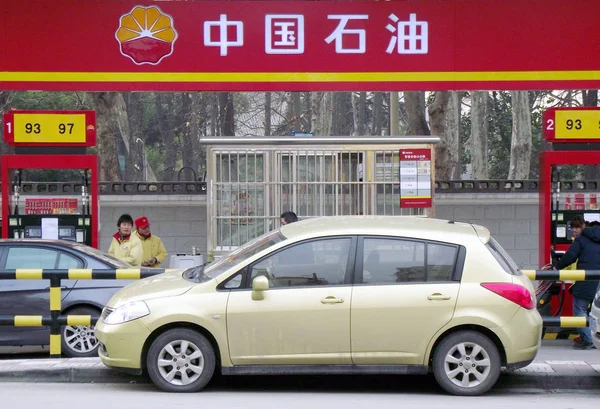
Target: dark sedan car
<point>31,297</point>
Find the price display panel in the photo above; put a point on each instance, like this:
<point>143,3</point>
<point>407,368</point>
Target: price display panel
<point>50,128</point>
<point>572,124</point>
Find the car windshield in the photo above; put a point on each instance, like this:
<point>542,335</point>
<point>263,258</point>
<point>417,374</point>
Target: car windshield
<point>236,257</point>
<point>104,257</point>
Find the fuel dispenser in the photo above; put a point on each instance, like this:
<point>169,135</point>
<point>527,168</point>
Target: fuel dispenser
<point>50,140</point>
<point>574,136</point>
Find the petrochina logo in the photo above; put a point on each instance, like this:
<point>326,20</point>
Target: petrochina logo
<point>146,35</point>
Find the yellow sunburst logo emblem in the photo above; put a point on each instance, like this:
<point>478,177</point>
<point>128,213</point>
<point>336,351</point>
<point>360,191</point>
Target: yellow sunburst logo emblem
<point>146,35</point>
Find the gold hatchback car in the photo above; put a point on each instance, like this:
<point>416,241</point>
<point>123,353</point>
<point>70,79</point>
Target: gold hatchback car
<point>333,295</point>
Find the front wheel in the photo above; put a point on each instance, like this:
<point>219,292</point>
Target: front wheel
<point>466,363</point>
<point>80,341</point>
<point>181,360</point>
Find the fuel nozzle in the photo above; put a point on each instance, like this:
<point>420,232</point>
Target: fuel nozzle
<point>16,190</point>
<point>84,194</point>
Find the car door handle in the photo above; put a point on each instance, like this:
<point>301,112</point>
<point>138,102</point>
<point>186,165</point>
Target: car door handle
<point>332,300</point>
<point>62,287</point>
<point>438,296</point>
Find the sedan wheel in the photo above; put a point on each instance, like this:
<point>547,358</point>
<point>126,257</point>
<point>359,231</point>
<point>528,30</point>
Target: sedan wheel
<point>466,363</point>
<point>79,341</point>
<point>181,360</point>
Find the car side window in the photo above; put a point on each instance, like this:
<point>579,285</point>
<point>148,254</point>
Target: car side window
<point>313,263</point>
<point>233,282</point>
<point>28,257</point>
<point>389,261</point>
<point>441,259</point>
<point>68,261</point>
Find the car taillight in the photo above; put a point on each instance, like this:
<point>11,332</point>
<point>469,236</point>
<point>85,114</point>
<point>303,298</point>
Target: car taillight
<point>512,292</point>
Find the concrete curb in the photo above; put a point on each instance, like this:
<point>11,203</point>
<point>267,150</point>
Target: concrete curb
<point>71,375</point>
<point>567,380</point>
<point>539,375</point>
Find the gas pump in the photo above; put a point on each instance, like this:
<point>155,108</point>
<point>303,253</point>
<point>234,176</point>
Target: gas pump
<point>59,143</point>
<point>574,135</point>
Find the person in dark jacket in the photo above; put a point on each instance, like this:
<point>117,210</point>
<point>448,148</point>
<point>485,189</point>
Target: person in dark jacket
<point>586,251</point>
<point>287,218</point>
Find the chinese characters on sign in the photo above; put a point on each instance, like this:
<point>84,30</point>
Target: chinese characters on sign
<point>284,34</point>
<point>415,177</point>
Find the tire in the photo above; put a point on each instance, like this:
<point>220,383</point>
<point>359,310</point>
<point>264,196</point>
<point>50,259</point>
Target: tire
<point>166,352</point>
<point>455,352</point>
<point>79,341</point>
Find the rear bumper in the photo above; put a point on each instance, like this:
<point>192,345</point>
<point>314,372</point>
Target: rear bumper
<point>523,338</point>
<point>518,365</point>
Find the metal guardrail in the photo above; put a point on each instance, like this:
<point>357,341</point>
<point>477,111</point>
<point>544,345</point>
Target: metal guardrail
<point>199,188</point>
<point>55,320</point>
<point>116,188</point>
<point>564,275</point>
<point>566,322</point>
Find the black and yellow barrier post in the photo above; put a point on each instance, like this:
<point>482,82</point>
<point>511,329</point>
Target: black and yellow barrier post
<point>562,275</point>
<point>55,320</point>
<point>566,322</point>
<point>55,297</point>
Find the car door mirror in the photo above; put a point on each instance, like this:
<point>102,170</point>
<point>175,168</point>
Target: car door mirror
<point>260,283</point>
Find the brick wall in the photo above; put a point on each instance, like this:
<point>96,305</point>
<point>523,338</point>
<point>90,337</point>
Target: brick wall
<point>181,220</point>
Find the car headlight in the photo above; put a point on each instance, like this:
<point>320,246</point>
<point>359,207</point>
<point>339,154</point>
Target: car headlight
<point>127,312</point>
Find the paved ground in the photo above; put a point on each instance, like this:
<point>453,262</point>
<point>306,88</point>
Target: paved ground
<point>557,366</point>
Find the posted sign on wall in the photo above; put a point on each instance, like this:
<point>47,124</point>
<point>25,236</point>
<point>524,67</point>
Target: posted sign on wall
<point>415,177</point>
<point>245,45</point>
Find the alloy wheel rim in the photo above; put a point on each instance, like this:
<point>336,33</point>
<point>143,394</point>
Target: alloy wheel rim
<point>467,365</point>
<point>81,339</point>
<point>180,362</point>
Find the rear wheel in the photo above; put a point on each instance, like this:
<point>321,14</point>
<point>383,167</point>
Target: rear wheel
<point>79,341</point>
<point>466,363</point>
<point>181,360</point>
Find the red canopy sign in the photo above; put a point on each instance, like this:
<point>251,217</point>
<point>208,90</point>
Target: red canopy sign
<point>299,45</point>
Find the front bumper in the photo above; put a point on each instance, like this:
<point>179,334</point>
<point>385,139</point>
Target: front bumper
<point>121,345</point>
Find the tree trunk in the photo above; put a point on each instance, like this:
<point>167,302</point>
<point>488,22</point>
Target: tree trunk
<point>307,112</point>
<point>268,113</point>
<point>452,134</point>
<point>129,117</point>
<point>342,114</point>
<point>104,105</point>
<point>355,117</point>
<point>590,99</point>
<point>378,123</point>
<point>479,134</point>
<point>190,132</point>
<point>323,118</point>
<point>214,114</point>
<point>135,110</point>
<point>166,125</point>
<point>520,147</point>
<point>296,113</point>
<point>437,119</point>
<point>226,114</point>
<point>415,110</point>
